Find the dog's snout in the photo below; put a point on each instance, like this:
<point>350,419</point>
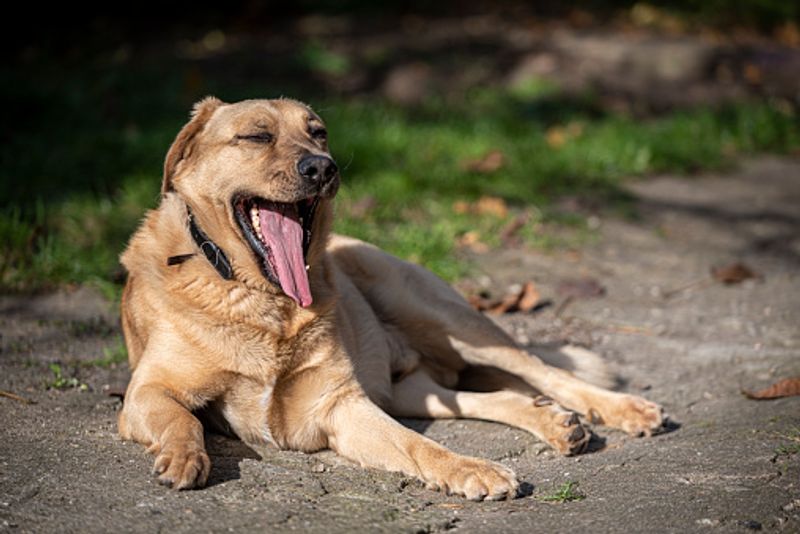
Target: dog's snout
<point>317,169</point>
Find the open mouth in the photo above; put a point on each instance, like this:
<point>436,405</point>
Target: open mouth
<point>279,234</point>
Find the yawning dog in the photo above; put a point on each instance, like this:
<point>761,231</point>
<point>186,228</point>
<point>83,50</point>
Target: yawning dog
<point>242,304</point>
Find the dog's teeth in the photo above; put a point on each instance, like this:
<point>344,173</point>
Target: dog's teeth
<point>308,267</point>
<point>254,219</point>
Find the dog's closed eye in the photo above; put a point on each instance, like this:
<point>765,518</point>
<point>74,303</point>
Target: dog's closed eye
<point>321,134</point>
<point>258,137</point>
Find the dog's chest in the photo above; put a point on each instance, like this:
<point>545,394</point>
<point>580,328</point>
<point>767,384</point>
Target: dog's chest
<point>265,401</point>
<point>246,409</point>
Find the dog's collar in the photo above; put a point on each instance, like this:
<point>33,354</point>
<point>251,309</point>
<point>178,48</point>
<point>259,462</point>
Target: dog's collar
<point>213,253</point>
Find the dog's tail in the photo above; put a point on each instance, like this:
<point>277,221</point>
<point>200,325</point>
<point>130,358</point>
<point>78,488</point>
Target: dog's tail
<point>581,362</point>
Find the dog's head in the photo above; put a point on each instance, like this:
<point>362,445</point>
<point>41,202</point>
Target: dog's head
<point>259,172</point>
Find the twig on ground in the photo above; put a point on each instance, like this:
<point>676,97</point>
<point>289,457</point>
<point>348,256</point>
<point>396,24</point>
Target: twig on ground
<point>14,396</point>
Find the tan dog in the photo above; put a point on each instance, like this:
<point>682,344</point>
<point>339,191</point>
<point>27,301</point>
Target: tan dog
<point>238,302</point>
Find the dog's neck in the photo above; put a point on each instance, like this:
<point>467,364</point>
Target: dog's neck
<point>213,252</point>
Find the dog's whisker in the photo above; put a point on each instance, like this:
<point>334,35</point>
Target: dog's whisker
<point>346,165</point>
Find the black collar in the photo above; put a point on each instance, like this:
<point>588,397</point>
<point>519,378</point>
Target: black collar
<point>213,253</point>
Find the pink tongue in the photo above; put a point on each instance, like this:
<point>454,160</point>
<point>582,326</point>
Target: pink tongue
<point>283,233</point>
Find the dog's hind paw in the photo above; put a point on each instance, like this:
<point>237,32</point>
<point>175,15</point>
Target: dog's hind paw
<point>632,414</point>
<point>181,467</point>
<point>575,438</point>
<point>560,428</point>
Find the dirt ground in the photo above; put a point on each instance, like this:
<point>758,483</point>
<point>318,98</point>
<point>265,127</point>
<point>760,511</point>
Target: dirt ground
<point>729,464</point>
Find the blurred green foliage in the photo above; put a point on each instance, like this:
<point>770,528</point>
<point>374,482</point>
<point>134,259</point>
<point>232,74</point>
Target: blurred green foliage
<point>83,144</point>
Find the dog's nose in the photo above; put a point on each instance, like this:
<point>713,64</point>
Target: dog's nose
<point>318,170</point>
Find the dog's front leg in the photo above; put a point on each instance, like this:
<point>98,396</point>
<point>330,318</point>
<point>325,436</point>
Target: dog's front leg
<point>362,432</point>
<point>152,416</point>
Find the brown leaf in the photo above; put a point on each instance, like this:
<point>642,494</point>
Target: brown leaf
<point>472,241</point>
<point>733,273</point>
<point>461,207</point>
<point>507,304</point>
<point>523,300</point>
<point>490,162</point>
<point>483,302</point>
<point>529,297</point>
<point>486,205</point>
<point>580,288</point>
<point>557,136</point>
<point>788,387</point>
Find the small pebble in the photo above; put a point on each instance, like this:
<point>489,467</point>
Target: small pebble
<point>318,468</point>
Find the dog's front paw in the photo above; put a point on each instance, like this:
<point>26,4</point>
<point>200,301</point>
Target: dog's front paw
<point>634,415</point>
<point>182,467</point>
<point>476,479</point>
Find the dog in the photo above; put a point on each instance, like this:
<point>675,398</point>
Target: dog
<point>242,305</point>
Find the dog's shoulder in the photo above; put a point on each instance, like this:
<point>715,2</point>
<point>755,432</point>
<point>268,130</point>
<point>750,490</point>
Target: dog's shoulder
<point>161,233</point>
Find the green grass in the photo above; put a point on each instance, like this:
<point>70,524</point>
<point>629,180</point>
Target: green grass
<point>568,492</point>
<point>60,381</point>
<point>85,161</point>
<point>791,448</point>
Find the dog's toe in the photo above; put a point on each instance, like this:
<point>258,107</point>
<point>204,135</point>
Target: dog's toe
<point>182,469</point>
<point>567,435</point>
<point>478,480</point>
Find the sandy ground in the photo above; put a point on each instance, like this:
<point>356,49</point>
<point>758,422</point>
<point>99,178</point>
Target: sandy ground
<point>728,465</point>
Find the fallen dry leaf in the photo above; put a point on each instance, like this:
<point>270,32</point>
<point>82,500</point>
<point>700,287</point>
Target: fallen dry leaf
<point>523,300</point>
<point>486,205</point>
<point>472,241</point>
<point>733,273</point>
<point>529,297</point>
<point>556,136</point>
<point>490,162</point>
<point>788,387</point>
<point>507,304</point>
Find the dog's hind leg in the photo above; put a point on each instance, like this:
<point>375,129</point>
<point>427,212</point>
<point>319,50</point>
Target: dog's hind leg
<point>418,395</point>
<point>633,414</point>
<point>439,324</point>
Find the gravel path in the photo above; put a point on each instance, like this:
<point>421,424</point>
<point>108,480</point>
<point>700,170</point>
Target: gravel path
<point>731,464</point>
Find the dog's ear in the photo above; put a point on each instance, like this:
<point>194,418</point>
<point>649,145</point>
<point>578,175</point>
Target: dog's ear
<point>183,144</point>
